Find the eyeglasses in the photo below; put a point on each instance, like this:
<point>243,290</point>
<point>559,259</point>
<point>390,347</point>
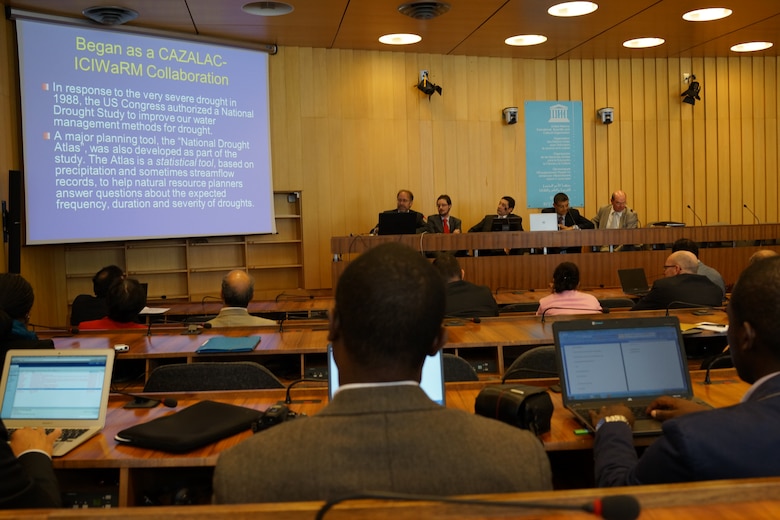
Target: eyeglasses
<point>669,266</point>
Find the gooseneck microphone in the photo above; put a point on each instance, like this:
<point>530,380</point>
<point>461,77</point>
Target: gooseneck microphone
<point>141,401</point>
<point>681,304</point>
<point>614,507</point>
<point>701,223</point>
<point>722,355</point>
<point>604,310</point>
<point>751,212</point>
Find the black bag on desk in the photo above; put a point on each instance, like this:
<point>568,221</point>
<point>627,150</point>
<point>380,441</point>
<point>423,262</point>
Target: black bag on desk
<point>524,406</point>
<point>195,426</point>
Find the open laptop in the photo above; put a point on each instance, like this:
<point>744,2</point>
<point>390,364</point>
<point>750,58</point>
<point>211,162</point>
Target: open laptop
<point>65,389</point>
<point>397,224</point>
<point>543,221</point>
<point>634,281</point>
<point>628,361</point>
<point>432,381</point>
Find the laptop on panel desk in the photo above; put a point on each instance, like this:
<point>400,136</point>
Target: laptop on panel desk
<point>397,223</point>
<point>65,389</point>
<point>634,281</point>
<point>432,381</point>
<point>543,221</point>
<point>628,361</point>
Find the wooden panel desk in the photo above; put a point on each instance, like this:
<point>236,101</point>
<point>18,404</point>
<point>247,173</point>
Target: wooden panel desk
<point>754,499</point>
<point>137,468</point>
<point>496,340</point>
<point>597,269</point>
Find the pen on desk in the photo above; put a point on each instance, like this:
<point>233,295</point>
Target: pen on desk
<point>581,431</point>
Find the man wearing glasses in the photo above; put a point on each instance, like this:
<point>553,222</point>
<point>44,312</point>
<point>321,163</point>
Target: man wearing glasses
<point>681,286</point>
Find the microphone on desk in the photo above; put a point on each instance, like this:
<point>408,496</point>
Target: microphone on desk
<point>679,303</point>
<point>722,355</point>
<point>751,212</point>
<point>604,310</point>
<point>288,399</point>
<point>701,223</point>
<point>147,402</point>
<point>614,507</point>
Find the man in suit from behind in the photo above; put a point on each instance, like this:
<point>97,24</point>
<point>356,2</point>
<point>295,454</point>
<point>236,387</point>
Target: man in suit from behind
<point>380,431</point>
<point>464,299</point>
<point>568,219</point>
<point>735,442</point>
<point>443,222</point>
<point>238,289</point>
<point>681,284</point>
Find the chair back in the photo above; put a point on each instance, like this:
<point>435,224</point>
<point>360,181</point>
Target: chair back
<point>616,303</point>
<point>519,307</point>
<point>458,369</point>
<point>194,377</point>
<point>539,362</point>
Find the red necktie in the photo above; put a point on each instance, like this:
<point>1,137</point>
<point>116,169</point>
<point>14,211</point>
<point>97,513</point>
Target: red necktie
<point>446,225</point>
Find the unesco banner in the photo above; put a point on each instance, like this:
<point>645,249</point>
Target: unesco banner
<point>553,146</point>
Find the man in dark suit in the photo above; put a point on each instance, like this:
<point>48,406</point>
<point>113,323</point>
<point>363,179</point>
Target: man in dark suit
<point>568,219</point>
<point>739,441</point>
<point>404,200</point>
<point>503,215</point>
<point>380,431</point>
<point>464,299</point>
<point>681,284</point>
<point>27,478</point>
<point>443,222</point>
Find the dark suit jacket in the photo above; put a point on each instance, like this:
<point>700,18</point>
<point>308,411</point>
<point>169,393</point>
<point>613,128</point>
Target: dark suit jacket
<point>419,224</point>
<point>688,288</point>
<point>739,441</point>
<point>28,481</point>
<point>435,225</point>
<point>466,300</point>
<point>484,225</point>
<point>391,438</point>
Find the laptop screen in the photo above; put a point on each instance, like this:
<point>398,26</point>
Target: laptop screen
<point>621,358</point>
<point>432,381</point>
<point>54,387</point>
<point>505,224</point>
<point>633,280</point>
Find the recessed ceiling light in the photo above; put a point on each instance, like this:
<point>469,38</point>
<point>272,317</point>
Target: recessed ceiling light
<point>268,8</point>
<point>573,9</point>
<point>751,46</point>
<point>643,43</point>
<point>400,39</point>
<point>707,15</point>
<point>523,40</point>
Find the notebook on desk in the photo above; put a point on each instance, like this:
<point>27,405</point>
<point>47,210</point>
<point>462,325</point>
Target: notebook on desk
<point>432,381</point>
<point>634,281</point>
<point>628,361</point>
<point>65,389</point>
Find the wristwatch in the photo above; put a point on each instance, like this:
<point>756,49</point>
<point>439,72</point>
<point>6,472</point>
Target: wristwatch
<point>611,418</point>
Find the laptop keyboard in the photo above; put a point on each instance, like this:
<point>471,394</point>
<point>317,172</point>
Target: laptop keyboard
<point>68,434</point>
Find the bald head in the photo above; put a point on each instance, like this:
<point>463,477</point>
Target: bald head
<point>618,201</point>
<point>238,288</point>
<point>681,262</point>
<point>761,255</point>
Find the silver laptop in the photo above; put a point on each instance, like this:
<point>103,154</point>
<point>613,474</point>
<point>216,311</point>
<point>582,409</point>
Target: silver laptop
<point>628,361</point>
<point>634,281</point>
<point>432,381</point>
<point>543,221</point>
<point>65,389</point>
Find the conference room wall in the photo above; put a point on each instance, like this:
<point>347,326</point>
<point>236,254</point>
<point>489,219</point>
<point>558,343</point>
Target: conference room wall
<point>349,129</point>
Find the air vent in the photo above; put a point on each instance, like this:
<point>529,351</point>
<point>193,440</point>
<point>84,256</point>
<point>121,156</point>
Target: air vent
<point>110,15</point>
<point>424,10</point>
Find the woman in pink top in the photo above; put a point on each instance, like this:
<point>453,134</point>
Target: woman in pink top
<point>566,299</point>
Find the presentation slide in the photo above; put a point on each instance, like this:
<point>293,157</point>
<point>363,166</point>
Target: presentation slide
<point>130,136</point>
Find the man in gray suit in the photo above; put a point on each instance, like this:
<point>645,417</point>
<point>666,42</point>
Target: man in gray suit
<point>381,432</point>
<point>616,215</point>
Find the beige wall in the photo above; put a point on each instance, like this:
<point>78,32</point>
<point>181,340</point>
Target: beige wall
<point>349,129</point>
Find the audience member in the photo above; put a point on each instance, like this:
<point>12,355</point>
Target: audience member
<point>125,299</point>
<point>735,442</point>
<point>27,479</point>
<point>404,200</point>
<point>238,289</point>
<point>761,254</point>
<point>568,218</point>
<point>681,286</point>
<point>686,244</point>
<point>381,432</point>
<point>504,211</point>
<point>616,215</point>
<point>443,222</point>
<point>464,299</point>
<point>87,307</point>
<point>565,298</point>
<point>16,301</point>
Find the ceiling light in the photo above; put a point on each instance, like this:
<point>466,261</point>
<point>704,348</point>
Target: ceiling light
<point>751,46</point>
<point>643,43</point>
<point>523,40</point>
<point>268,8</point>
<point>400,39</point>
<point>573,9</point>
<point>110,15</point>
<point>423,10</point>
<point>707,15</point>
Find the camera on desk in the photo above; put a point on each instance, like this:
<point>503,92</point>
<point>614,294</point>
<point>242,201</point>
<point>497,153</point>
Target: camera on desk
<point>274,415</point>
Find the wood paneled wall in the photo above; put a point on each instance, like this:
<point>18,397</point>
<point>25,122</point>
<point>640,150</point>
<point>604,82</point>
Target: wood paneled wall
<point>349,129</point>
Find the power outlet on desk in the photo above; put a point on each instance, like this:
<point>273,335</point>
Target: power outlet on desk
<point>316,373</point>
<point>484,366</point>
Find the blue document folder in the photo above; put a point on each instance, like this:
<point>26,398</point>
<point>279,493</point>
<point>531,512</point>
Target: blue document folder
<point>219,344</point>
